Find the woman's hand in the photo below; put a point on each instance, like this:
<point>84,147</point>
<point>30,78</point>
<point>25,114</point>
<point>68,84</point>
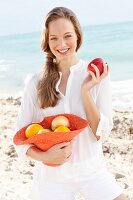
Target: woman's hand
<point>59,154</point>
<point>91,80</point>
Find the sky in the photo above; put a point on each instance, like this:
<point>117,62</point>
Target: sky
<point>18,16</point>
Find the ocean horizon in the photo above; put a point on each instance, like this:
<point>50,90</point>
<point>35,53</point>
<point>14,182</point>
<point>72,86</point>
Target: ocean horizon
<point>21,55</point>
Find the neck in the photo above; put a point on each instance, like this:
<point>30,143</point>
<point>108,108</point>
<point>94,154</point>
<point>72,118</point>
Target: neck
<point>64,65</point>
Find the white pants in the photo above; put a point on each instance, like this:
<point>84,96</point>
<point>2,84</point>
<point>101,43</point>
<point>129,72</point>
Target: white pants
<point>100,186</point>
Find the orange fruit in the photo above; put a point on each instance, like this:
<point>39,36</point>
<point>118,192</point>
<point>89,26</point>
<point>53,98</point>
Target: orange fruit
<point>62,129</point>
<point>45,130</point>
<point>32,130</point>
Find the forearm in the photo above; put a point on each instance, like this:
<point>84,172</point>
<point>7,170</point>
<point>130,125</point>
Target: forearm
<point>92,113</point>
<point>36,154</point>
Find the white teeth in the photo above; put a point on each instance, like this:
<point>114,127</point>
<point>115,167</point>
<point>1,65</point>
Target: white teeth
<point>63,51</point>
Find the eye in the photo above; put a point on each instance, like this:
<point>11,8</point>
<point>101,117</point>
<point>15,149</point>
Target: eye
<point>53,38</point>
<point>68,36</point>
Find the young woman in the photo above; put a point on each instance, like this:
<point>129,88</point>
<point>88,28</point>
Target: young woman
<point>63,86</point>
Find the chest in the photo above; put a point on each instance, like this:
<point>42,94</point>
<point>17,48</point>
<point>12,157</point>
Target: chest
<point>63,85</point>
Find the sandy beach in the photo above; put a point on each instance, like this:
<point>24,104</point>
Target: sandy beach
<point>16,178</point>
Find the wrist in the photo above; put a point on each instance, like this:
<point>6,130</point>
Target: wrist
<point>85,93</point>
<point>85,88</point>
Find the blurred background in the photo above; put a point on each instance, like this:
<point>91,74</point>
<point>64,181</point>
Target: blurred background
<point>107,29</point>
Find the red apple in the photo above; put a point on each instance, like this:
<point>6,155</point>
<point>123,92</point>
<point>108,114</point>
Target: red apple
<point>99,63</point>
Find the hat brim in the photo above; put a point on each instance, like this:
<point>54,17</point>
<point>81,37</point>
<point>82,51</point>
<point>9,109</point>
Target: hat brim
<point>46,140</point>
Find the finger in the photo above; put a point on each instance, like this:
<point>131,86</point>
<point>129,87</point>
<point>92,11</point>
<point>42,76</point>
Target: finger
<point>96,70</point>
<point>105,65</point>
<point>89,77</point>
<point>103,76</point>
<point>69,155</point>
<point>105,72</point>
<point>92,75</point>
<point>62,145</point>
<point>73,140</point>
<point>68,148</point>
<point>68,158</point>
<point>64,161</point>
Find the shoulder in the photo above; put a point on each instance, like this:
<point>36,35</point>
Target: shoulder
<point>31,80</point>
<point>85,64</point>
<point>83,68</point>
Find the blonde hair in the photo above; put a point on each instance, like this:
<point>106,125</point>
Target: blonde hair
<point>47,94</point>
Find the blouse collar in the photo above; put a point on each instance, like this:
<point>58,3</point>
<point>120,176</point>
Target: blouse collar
<point>72,69</point>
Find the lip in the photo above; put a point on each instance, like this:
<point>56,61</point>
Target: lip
<point>63,51</point>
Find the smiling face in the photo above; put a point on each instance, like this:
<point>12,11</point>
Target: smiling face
<point>62,39</point>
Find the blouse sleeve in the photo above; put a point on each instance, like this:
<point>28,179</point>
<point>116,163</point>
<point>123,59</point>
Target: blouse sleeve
<point>104,105</point>
<point>26,115</point>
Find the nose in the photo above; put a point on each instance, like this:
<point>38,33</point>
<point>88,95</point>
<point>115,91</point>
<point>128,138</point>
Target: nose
<point>62,43</point>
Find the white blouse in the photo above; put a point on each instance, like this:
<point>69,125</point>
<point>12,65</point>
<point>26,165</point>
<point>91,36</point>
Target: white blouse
<point>87,154</point>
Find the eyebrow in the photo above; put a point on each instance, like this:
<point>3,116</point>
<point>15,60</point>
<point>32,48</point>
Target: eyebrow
<point>64,34</point>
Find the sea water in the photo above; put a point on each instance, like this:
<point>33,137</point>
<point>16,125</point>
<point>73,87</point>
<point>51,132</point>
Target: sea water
<point>21,55</point>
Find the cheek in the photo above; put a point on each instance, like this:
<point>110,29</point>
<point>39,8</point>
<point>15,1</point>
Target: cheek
<point>52,46</point>
<point>74,44</point>
<point>74,41</point>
